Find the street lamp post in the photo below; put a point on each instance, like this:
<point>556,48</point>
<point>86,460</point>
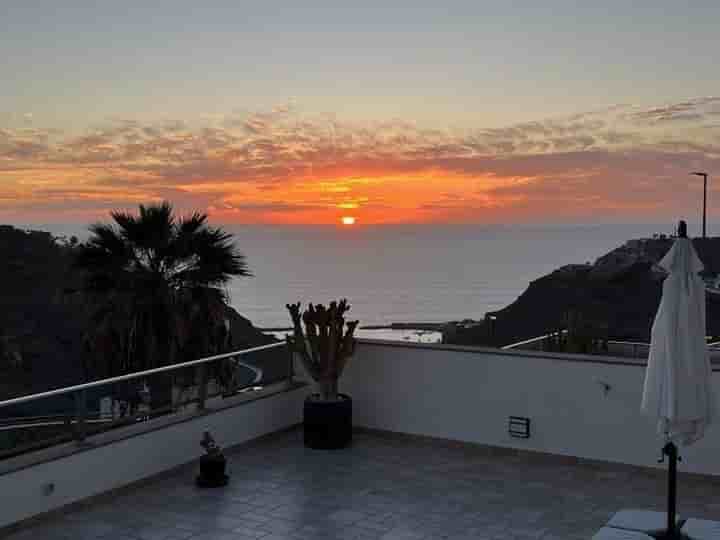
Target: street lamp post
<point>705,177</point>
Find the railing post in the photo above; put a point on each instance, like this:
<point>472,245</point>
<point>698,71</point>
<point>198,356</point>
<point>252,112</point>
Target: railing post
<point>202,389</point>
<point>80,415</point>
<point>68,424</point>
<point>291,363</point>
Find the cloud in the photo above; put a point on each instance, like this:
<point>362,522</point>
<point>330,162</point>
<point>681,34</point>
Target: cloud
<point>272,207</point>
<point>283,161</point>
<point>684,111</point>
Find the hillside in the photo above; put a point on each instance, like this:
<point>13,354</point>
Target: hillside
<point>617,296</point>
<point>40,327</point>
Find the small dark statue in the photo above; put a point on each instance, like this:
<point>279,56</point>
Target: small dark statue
<point>212,464</point>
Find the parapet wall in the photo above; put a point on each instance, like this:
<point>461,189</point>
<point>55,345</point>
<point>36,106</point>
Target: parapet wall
<point>582,406</point>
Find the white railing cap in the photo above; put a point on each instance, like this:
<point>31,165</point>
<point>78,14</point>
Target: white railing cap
<point>135,375</point>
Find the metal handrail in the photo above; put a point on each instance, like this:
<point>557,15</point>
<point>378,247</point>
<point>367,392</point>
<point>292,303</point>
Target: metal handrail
<point>135,375</point>
<point>532,340</point>
<point>48,423</point>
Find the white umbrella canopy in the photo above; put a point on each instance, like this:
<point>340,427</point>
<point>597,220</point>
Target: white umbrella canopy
<point>677,390</point>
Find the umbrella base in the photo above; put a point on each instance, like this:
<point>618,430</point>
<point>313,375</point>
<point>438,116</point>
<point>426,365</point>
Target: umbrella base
<point>653,524</point>
<point>701,529</point>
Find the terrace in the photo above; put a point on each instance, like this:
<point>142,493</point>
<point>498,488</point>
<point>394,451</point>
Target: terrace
<point>432,458</point>
<point>385,486</point>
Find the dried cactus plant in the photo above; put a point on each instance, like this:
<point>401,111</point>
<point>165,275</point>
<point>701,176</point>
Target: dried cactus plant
<point>324,345</point>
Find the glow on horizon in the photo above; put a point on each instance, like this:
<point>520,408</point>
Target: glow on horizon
<point>280,166</point>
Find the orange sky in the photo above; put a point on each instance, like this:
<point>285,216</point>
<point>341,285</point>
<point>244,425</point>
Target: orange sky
<point>282,166</point>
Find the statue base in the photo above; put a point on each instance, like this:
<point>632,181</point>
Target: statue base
<point>212,472</point>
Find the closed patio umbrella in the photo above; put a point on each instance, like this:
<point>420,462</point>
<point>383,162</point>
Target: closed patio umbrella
<point>677,391</point>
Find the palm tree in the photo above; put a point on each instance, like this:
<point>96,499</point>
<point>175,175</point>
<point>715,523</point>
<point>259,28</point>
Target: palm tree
<point>154,284</point>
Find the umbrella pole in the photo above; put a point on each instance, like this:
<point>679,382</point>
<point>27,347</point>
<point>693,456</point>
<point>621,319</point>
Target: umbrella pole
<point>670,450</point>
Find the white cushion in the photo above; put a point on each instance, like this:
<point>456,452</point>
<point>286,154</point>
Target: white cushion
<point>701,529</point>
<point>608,533</point>
<point>645,521</point>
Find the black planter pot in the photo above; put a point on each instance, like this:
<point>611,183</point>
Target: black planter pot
<point>212,472</point>
<point>327,424</point>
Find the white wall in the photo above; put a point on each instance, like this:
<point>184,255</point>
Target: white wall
<point>114,465</point>
<point>468,396</point>
<point>462,394</point>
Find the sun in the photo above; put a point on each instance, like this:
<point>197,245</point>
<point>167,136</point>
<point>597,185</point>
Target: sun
<point>348,220</point>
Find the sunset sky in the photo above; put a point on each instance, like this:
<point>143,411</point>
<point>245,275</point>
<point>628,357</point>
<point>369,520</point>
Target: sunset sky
<point>389,112</point>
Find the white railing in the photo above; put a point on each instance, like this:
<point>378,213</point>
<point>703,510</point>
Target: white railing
<point>616,348</point>
<point>204,384</point>
<point>533,341</point>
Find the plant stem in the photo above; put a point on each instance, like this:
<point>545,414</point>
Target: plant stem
<point>329,389</point>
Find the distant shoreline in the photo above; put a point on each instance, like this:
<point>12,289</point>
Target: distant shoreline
<point>392,326</point>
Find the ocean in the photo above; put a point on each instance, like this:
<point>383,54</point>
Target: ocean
<point>406,273</point>
<point>418,273</point>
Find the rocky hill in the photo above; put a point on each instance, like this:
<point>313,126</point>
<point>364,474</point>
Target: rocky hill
<point>617,297</point>
<point>40,326</point>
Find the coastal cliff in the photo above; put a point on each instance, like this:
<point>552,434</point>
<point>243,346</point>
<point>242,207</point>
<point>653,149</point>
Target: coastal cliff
<point>615,298</point>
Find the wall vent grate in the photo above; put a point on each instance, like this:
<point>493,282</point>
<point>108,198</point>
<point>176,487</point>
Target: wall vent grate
<point>519,427</point>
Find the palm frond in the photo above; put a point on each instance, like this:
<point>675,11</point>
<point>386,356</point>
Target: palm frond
<point>155,284</point>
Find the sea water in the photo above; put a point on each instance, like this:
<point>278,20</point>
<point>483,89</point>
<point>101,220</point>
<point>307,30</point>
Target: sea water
<point>412,273</point>
<point>404,273</point>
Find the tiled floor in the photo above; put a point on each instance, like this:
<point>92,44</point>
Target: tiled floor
<point>384,487</point>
